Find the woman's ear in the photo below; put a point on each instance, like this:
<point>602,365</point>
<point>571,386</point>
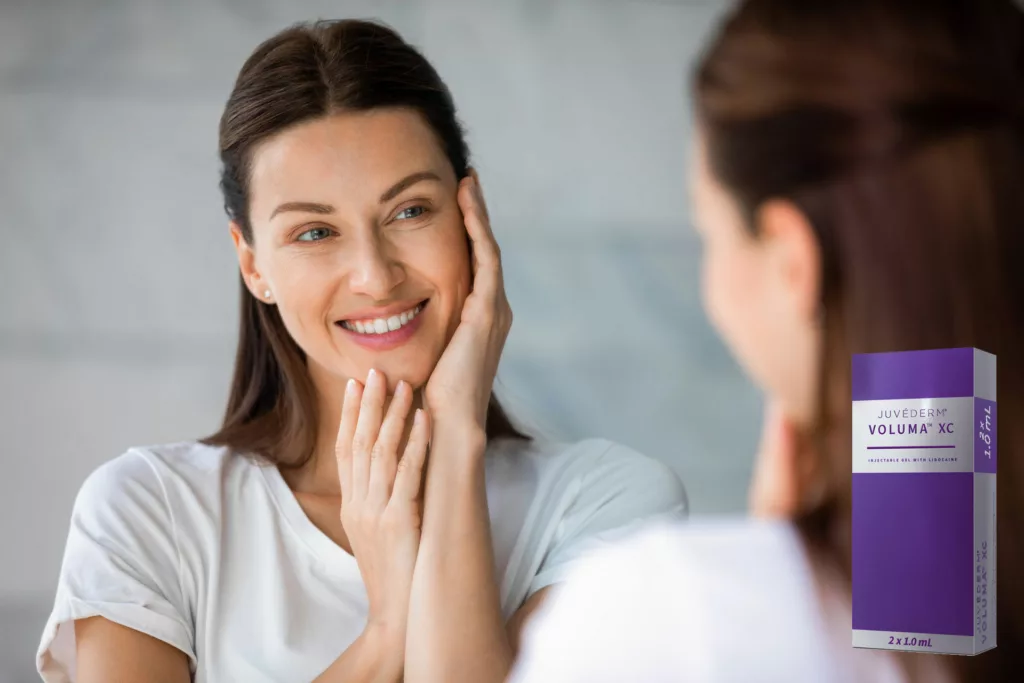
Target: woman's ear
<point>247,264</point>
<point>795,255</point>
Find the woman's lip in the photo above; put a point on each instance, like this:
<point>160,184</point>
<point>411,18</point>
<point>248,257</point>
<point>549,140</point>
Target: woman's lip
<point>388,340</point>
<point>384,311</point>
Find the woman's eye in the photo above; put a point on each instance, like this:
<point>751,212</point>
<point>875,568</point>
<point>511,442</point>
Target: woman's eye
<point>314,235</point>
<point>411,212</point>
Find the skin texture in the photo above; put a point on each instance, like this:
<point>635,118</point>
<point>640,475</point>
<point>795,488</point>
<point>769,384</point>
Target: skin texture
<point>361,210</point>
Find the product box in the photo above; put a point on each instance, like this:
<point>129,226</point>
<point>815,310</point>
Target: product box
<point>924,501</point>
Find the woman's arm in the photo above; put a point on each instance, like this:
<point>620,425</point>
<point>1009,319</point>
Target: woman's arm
<point>456,632</point>
<point>374,657</point>
<point>517,624</point>
<point>456,629</point>
<point>108,653</point>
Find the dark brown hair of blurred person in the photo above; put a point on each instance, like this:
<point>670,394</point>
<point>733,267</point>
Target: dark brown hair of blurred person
<point>306,72</point>
<point>897,127</point>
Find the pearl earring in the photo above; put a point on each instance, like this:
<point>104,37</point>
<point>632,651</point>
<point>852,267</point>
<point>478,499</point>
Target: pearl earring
<point>266,294</point>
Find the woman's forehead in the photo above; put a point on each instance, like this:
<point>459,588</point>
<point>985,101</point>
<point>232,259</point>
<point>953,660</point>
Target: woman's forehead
<point>356,154</point>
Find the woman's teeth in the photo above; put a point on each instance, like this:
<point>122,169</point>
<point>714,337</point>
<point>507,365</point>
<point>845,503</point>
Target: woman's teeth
<point>382,325</point>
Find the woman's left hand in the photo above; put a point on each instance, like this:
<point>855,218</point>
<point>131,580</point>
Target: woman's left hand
<point>459,388</point>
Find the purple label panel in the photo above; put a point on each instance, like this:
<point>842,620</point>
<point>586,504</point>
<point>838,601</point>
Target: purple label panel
<point>913,538</point>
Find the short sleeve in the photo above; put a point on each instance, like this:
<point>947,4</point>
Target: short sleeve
<point>620,490</point>
<point>121,562</point>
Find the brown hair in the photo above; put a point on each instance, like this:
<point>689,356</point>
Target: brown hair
<point>897,127</point>
<point>306,72</point>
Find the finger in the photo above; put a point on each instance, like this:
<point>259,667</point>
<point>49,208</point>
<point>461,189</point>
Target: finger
<point>384,457</point>
<point>410,468</point>
<point>480,194</point>
<point>478,226</point>
<point>347,428</point>
<point>370,409</point>
<point>486,256</point>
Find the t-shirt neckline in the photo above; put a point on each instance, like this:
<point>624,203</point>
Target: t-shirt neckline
<point>326,550</point>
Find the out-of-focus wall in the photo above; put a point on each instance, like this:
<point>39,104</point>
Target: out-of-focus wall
<point>118,281</point>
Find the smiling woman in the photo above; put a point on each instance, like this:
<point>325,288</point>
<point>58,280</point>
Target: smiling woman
<point>367,511</point>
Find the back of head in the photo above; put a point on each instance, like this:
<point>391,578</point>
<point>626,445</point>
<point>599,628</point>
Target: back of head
<point>897,127</point>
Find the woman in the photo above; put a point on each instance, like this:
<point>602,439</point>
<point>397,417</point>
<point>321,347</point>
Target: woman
<point>857,186</point>
<point>312,537</point>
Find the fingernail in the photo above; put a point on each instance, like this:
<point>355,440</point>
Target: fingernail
<point>350,387</point>
<point>373,373</point>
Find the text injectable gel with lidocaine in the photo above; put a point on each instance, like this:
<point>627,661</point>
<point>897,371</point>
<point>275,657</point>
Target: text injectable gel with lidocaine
<point>924,501</point>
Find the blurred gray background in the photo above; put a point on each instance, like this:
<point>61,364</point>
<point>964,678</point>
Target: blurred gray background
<point>118,282</point>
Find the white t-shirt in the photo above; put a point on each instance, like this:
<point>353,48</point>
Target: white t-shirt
<point>211,552</point>
<point>715,601</point>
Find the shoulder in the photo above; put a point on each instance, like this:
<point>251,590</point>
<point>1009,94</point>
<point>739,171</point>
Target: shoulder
<point>592,474</point>
<point>614,464</point>
<point>724,551</point>
<point>593,462</point>
<point>605,470</point>
<point>154,464</point>
<point>726,578</point>
<point>156,479</point>
<point>710,583</point>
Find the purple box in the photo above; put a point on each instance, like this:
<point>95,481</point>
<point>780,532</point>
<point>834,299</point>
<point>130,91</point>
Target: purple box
<point>924,501</point>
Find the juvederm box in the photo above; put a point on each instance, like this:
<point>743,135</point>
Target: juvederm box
<point>924,501</point>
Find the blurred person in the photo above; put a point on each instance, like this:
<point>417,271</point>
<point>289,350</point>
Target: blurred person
<point>857,184</point>
<point>313,537</point>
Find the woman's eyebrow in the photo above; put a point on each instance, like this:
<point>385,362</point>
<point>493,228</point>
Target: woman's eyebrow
<point>407,182</point>
<point>392,192</point>
<point>308,207</point>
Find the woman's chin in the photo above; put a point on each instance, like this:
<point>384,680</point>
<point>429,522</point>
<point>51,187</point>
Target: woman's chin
<point>414,372</point>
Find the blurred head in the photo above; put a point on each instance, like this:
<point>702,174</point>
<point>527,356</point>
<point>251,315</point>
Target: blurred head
<point>342,156</point>
<point>857,183</point>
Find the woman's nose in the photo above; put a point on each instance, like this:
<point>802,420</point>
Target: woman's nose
<point>374,271</point>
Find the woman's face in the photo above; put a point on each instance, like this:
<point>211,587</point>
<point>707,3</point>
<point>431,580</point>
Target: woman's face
<point>761,291</point>
<point>359,240</point>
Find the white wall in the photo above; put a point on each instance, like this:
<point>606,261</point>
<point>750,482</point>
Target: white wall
<point>117,279</point>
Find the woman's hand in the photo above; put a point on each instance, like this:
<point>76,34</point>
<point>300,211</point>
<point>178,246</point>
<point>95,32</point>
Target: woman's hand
<point>459,389</point>
<point>380,496</point>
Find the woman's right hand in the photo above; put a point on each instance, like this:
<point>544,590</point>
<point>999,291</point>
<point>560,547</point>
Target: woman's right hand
<point>381,509</point>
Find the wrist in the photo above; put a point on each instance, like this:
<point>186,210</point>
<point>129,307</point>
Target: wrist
<point>385,648</point>
<point>458,435</point>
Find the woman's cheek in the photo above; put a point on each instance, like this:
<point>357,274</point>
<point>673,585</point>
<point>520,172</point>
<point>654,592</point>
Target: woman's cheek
<point>730,298</point>
<point>715,287</point>
<point>449,249</point>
